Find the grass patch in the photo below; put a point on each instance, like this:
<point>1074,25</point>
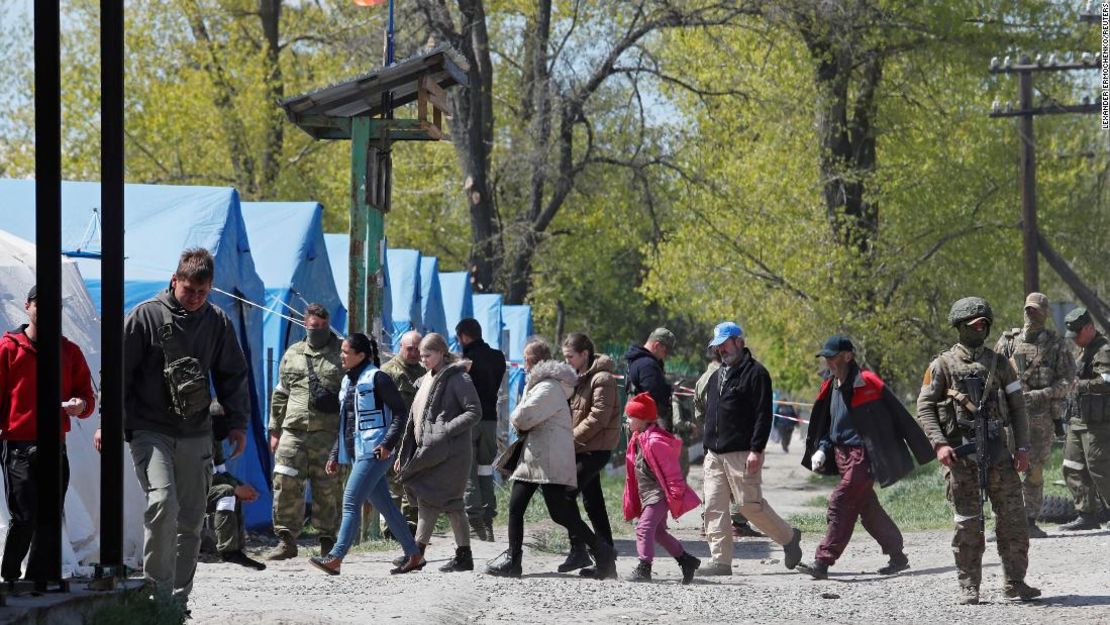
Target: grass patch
<point>139,606</point>
<point>917,501</point>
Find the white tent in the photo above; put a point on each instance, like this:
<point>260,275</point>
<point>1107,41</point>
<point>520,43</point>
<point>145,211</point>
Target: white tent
<point>81,325</point>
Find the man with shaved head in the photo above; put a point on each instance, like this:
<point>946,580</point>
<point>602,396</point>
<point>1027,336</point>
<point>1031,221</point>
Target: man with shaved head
<point>405,369</point>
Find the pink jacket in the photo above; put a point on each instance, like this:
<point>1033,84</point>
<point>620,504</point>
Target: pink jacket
<point>661,450</point>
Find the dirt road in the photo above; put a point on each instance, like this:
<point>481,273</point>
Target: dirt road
<point>1073,571</point>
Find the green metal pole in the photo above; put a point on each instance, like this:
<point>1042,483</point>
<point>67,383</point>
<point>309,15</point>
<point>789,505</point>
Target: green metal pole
<point>360,170</point>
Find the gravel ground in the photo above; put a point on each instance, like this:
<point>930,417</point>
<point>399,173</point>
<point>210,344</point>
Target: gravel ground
<point>760,590</point>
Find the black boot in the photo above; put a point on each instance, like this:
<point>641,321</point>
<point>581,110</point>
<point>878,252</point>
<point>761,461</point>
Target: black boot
<point>1034,531</point>
<point>478,530</point>
<point>642,572</point>
<point>576,559</point>
<point>605,558</point>
<point>240,558</point>
<point>507,564</point>
<point>463,561</point>
<point>688,564</point>
<point>401,559</point>
<point>1082,522</point>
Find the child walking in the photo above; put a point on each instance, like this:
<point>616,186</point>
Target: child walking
<point>654,486</point>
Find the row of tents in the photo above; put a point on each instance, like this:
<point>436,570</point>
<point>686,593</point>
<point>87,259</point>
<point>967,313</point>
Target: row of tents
<point>272,260</point>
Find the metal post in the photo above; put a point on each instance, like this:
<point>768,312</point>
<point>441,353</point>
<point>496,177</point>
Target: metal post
<point>1028,177</point>
<point>48,260</point>
<point>360,148</point>
<point>111,269</point>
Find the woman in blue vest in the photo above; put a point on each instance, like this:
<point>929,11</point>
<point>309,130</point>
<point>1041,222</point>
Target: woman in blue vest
<point>371,420</point>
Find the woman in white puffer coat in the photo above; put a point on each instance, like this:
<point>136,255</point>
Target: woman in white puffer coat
<point>547,462</point>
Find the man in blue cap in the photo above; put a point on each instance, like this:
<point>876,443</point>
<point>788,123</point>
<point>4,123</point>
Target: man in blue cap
<point>859,431</point>
<point>737,425</point>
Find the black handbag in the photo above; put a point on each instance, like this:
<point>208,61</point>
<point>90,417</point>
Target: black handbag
<point>507,461</point>
<point>320,398</point>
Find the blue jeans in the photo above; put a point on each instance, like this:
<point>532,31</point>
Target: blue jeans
<point>367,482</point>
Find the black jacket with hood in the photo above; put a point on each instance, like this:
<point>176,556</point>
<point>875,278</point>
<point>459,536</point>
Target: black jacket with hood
<point>645,375</point>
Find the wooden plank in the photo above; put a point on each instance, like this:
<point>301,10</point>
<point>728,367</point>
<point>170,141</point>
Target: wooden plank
<point>436,95</point>
<point>421,103</point>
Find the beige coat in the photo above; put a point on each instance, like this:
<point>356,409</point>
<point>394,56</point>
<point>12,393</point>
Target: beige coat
<point>544,413</point>
<point>596,408</point>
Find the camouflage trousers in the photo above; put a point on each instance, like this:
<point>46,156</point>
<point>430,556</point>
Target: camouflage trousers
<point>1010,530</point>
<point>1087,465</point>
<point>225,515</point>
<point>400,499</point>
<point>1041,435</point>
<point>300,458</point>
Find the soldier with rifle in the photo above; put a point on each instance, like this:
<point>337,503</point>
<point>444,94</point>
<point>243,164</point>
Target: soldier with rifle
<point>960,409</point>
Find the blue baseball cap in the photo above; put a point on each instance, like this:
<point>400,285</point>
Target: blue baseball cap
<point>725,331</point>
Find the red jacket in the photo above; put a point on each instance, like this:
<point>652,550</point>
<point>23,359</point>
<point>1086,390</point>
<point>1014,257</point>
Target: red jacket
<point>18,374</point>
<point>661,450</point>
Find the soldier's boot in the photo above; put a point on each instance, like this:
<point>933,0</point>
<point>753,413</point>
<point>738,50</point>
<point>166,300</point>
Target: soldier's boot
<point>1020,591</point>
<point>478,530</point>
<point>489,529</point>
<point>1082,522</point>
<point>816,569</point>
<point>642,573</point>
<point>242,559</point>
<point>689,565</point>
<point>576,559</point>
<point>793,550</point>
<point>285,549</point>
<point>1034,531</point>
<point>326,544</point>
<point>898,562</point>
<point>463,561</point>
<point>969,595</point>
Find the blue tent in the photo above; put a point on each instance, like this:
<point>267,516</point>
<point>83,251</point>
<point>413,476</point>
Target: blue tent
<point>517,319</point>
<point>458,303</point>
<point>405,289</point>
<point>339,255</point>
<point>487,310</point>
<point>161,221</point>
<point>287,242</point>
<point>432,316</point>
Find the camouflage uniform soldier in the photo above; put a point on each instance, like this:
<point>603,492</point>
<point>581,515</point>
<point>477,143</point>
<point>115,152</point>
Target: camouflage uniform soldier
<point>304,425</point>
<point>225,511</point>
<point>946,408</point>
<point>405,370</point>
<point>1087,451</point>
<point>1045,368</point>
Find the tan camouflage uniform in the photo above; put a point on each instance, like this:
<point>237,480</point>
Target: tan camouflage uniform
<point>937,411</point>
<point>306,438</point>
<point>1044,366</point>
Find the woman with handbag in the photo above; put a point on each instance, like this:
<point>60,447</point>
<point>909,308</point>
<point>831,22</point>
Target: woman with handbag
<point>371,419</point>
<point>433,463</point>
<point>546,461</point>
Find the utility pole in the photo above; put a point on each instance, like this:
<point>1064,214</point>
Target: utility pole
<point>1027,110</point>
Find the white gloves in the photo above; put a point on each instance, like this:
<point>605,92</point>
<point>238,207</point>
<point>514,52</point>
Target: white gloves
<point>817,460</point>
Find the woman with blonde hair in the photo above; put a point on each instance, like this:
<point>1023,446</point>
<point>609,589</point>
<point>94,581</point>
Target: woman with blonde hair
<point>435,455</point>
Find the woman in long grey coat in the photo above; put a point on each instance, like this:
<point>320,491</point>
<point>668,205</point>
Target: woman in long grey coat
<point>435,457</point>
<point>547,462</point>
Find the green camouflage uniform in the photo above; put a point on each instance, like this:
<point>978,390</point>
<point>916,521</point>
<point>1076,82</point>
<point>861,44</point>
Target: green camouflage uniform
<point>306,438</point>
<point>405,376</point>
<point>1044,366</point>
<point>940,415</point>
<point>1087,450</point>
<point>224,508</point>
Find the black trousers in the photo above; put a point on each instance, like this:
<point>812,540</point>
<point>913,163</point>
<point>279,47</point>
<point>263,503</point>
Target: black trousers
<point>560,505</point>
<point>590,465</point>
<point>20,478</point>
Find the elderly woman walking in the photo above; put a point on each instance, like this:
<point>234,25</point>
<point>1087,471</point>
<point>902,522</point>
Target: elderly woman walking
<point>547,461</point>
<point>433,463</point>
<point>596,425</point>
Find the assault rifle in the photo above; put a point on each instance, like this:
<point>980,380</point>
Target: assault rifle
<point>975,401</point>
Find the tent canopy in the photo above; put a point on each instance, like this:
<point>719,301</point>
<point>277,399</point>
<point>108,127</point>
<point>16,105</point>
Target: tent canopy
<point>287,242</point>
<point>160,222</point>
<point>517,319</point>
<point>432,317</point>
<point>458,303</point>
<point>487,310</point>
<point>405,290</point>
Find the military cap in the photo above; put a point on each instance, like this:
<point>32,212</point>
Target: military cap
<point>1038,301</point>
<point>1076,320</point>
<point>969,310</point>
<point>664,336</point>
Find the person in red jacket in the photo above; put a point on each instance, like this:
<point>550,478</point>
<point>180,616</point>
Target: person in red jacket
<point>18,431</point>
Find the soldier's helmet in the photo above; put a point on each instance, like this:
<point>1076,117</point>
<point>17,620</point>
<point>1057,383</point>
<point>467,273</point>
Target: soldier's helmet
<point>968,308</point>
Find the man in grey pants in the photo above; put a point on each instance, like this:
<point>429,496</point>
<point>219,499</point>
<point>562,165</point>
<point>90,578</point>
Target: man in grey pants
<point>176,347</point>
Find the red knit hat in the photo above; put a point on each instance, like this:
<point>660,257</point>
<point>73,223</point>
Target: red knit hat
<point>641,407</point>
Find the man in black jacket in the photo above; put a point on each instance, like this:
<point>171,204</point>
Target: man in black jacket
<point>645,373</point>
<point>860,431</point>
<point>737,424</point>
<point>166,416</point>
<point>487,370</point>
